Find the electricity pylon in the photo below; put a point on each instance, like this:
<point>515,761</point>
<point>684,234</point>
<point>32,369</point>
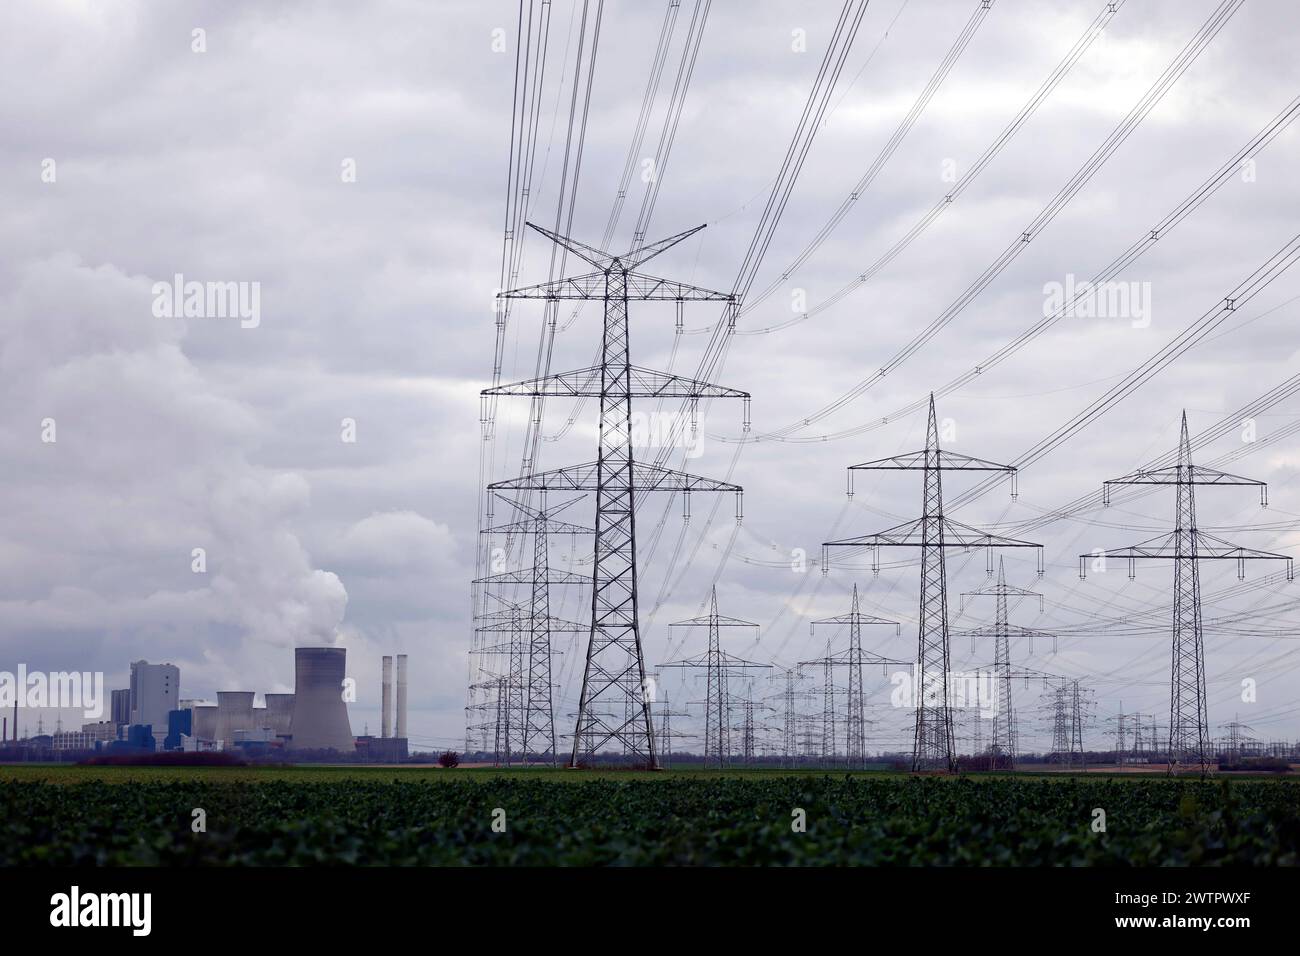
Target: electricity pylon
<point>1060,721</point>
<point>531,682</point>
<point>790,715</point>
<point>1002,631</point>
<point>666,734</point>
<point>1187,546</point>
<point>1078,717</point>
<point>718,663</point>
<point>512,687</point>
<point>1120,733</point>
<point>933,740</point>
<point>612,707</point>
<point>853,658</point>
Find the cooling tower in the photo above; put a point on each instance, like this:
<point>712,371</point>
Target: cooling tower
<point>204,721</point>
<point>401,695</point>
<point>234,712</point>
<point>279,714</point>
<point>320,717</point>
<point>386,699</point>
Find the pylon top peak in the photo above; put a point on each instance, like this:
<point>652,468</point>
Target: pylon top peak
<point>605,261</point>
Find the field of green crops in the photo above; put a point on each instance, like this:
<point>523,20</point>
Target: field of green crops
<point>115,816</point>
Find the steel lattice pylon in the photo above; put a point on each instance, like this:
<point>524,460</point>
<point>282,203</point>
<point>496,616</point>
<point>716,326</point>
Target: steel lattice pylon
<point>1061,720</point>
<point>528,711</point>
<point>855,719</point>
<point>1002,631</point>
<point>613,707</point>
<point>1187,547</point>
<point>717,663</point>
<point>933,747</point>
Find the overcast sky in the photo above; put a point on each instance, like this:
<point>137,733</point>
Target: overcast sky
<point>130,157</point>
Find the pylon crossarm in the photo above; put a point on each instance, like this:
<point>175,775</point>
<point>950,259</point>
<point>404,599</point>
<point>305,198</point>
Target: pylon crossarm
<point>843,619</point>
<point>529,525</point>
<point>642,287</point>
<point>639,287</point>
<point>491,623</point>
<point>644,382</point>
<point>844,658</point>
<point>1212,546</point>
<point>721,620</point>
<point>645,477</point>
<point>997,630</point>
<point>1166,547</point>
<point>1184,474</point>
<point>997,590</point>
<point>910,535</point>
<point>588,286</point>
<point>528,576</point>
<point>1027,673</point>
<point>947,461</point>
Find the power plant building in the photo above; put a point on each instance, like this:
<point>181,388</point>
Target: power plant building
<point>155,692</point>
<point>120,708</point>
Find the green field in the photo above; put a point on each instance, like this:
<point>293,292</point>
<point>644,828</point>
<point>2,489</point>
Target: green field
<point>370,816</point>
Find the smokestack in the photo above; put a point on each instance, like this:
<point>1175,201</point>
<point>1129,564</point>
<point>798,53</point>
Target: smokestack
<point>386,723</point>
<point>401,695</point>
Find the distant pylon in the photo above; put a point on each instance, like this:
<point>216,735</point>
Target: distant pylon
<point>790,716</point>
<point>612,706</point>
<point>1002,631</point>
<point>933,747</point>
<point>1077,718</point>
<point>747,733</point>
<point>512,688</point>
<point>717,663</point>
<point>1187,546</point>
<point>1061,722</point>
<point>853,658</point>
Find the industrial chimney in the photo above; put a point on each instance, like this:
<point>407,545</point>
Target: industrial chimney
<point>320,717</point>
<point>386,697</point>
<point>401,695</point>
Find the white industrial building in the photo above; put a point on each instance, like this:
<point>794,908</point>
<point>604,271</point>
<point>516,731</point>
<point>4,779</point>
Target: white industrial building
<point>155,691</point>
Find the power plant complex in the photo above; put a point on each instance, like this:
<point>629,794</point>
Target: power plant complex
<point>151,715</point>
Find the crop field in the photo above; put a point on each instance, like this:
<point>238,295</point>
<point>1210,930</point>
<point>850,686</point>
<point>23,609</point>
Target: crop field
<point>144,816</point>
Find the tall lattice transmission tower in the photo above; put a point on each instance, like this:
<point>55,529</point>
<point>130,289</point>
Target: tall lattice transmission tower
<point>1186,546</point>
<point>613,710</point>
<point>1002,632</point>
<point>718,665</point>
<point>933,746</point>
